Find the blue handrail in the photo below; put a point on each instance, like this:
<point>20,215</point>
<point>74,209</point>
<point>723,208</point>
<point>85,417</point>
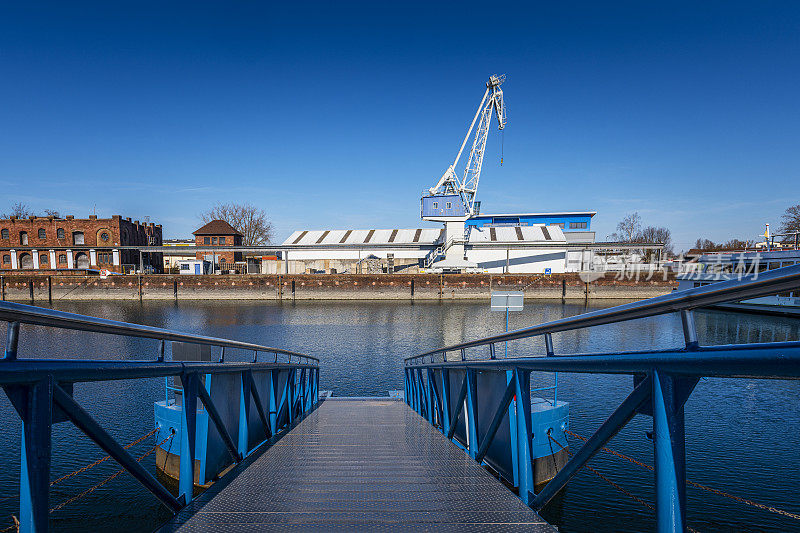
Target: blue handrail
<point>41,392</point>
<point>663,381</point>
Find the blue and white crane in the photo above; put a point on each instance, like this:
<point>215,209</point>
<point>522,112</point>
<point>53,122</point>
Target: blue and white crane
<point>452,200</point>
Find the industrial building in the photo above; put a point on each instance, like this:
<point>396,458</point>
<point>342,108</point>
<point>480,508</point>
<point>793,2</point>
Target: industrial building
<point>507,243</point>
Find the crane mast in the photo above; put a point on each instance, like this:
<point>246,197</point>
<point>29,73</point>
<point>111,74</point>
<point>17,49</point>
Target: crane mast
<point>466,188</point>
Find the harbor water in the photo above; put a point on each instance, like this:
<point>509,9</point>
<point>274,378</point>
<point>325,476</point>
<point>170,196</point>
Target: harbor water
<point>742,435</point>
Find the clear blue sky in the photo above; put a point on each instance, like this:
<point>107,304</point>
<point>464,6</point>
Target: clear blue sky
<point>337,115</point>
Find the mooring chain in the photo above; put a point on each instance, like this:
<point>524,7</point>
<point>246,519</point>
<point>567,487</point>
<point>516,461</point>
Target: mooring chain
<point>617,486</point>
<point>15,525</point>
<point>109,478</point>
<point>99,461</point>
<point>696,484</point>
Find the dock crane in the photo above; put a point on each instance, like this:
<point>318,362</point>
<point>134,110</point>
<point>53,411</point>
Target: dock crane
<point>466,188</point>
<point>452,200</point>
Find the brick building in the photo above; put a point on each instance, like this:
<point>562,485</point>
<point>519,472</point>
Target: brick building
<point>218,233</point>
<point>50,243</point>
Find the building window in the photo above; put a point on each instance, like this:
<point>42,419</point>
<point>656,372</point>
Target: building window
<point>104,236</point>
<point>60,233</point>
<point>26,261</point>
<point>77,237</point>
<point>222,240</point>
<point>559,224</point>
<point>23,238</point>
<point>42,234</point>
<point>213,240</point>
<point>448,205</point>
<point>206,240</point>
<point>62,259</point>
<point>104,258</point>
<point>5,234</point>
<point>6,259</point>
<point>185,266</point>
<point>43,260</point>
<point>436,205</point>
<point>577,225</point>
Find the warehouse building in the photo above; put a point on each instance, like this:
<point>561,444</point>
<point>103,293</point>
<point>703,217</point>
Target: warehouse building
<point>509,243</point>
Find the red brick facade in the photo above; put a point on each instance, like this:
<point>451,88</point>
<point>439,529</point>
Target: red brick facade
<point>49,243</point>
<point>218,233</point>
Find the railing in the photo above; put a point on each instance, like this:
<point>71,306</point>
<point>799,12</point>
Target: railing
<point>663,381</point>
<point>41,391</point>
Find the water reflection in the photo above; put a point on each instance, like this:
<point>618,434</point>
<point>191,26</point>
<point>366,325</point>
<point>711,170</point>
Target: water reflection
<point>730,423</point>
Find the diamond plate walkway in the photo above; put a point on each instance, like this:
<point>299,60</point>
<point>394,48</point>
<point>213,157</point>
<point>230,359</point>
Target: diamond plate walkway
<point>360,465</point>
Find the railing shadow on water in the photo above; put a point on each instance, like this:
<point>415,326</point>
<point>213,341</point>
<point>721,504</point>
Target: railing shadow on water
<point>282,385</point>
<point>461,390</point>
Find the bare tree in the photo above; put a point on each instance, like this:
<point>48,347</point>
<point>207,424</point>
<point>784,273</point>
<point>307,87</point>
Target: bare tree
<point>52,213</point>
<point>652,234</point>
<point>249,220</point>
<point>18,210</point>
<point>705,245</point>
<point>628,228</point>
<point>790,221</point>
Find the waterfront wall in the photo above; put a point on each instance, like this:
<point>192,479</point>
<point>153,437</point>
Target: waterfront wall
<point>43,288</point>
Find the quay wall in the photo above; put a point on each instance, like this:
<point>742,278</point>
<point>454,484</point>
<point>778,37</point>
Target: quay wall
<point>45,288</point>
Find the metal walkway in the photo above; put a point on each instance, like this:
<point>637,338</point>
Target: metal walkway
<point>356,465</point>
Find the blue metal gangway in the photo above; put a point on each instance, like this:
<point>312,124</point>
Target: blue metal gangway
<point>471,396</point>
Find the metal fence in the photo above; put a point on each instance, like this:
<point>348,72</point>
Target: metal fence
<point>662,382</point>
<point>41,391</point>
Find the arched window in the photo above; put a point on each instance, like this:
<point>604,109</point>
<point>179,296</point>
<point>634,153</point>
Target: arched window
<point>42,234</point>
<point>81,260</point>
<point>26,260</point>
<point>60,233</point>
<point>62,258</point>
<point>43,259</point>
<point>6,258</point>
<point>77,237</point>
<point>23,238</point>
<point>4,234</point>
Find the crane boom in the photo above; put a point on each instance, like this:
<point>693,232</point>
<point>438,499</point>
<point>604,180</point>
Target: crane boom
<point>467,187</point>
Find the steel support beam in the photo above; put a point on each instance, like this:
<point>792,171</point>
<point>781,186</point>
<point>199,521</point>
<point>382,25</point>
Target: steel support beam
<point>190,382</point>
<point>472,412</point>
<point>106,442</point>
<point>670,454</point>
<point>445,373</point>
<point>35,407</point>
<point>524,444</point>
<point>462,393</point>
<point>259,404</point>
<point>215,417</point>
<point>243,443</point>
<point>609,428</point>
<point>487,439</point>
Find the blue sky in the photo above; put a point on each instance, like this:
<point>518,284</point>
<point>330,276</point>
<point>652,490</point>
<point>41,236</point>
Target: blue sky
<point>337,115</point>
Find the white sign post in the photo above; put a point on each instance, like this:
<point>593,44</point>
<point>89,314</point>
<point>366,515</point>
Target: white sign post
<point>507,301</point>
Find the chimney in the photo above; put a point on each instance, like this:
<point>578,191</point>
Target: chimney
<point>92,217</point>
<point>136,222</point>
<point>70,217</point>
<point>128,219</point>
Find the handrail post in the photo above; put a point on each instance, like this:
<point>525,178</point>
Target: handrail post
<point>445,400</point>
<point>161,346</point>
<point>689,329</point>
<point>222,355</point>
<point>188,434</point>
<point>491,351</point>
<point>272,393</point>
<point>522,385</point>
<point>548,344</point>
<point>244,413</point>
<point>12,341</point>
<point>670,455</point>
<point>429,395</point>
<point>472,412</point>
<point>463,354</point>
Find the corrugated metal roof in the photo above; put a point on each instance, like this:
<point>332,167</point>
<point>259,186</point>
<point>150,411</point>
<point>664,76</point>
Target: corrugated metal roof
<point>362,236</point>
<point>424,236</point>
